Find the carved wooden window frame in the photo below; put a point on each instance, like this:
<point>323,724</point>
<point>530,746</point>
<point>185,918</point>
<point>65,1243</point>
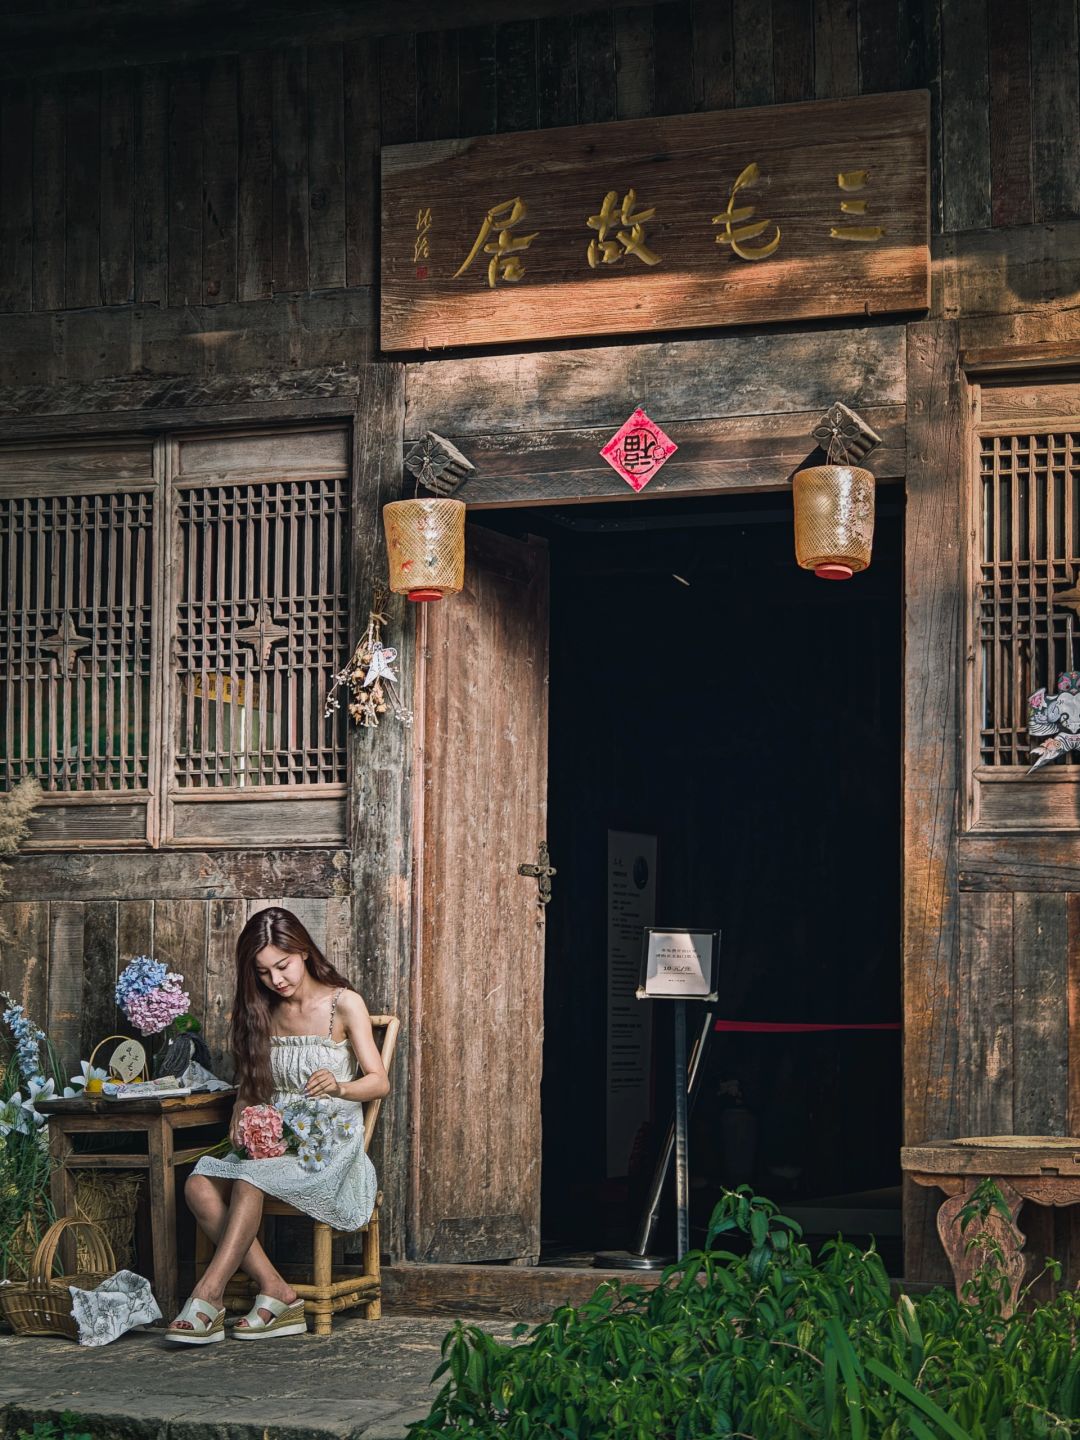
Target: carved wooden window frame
<point>1023,430</point>
<point>292,502</point>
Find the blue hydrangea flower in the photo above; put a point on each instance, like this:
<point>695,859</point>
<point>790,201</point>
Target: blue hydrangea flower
<point>143,975</point>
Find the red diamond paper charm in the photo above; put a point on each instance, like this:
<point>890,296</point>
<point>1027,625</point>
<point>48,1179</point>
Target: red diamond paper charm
<point>638,449</point>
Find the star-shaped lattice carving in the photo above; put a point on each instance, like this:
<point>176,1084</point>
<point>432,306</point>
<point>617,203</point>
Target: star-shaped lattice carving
<point>263,633</point>
<point>67,642</point>
<point>1069,599</point>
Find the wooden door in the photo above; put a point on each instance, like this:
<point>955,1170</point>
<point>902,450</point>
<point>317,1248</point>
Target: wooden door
<point>478,989</point>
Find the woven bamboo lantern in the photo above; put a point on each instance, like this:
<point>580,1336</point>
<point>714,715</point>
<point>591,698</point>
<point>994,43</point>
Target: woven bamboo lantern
<point>425,540</point>
<point>834,503</point>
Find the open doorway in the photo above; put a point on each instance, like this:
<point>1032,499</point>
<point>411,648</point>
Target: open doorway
<point>707,694</point>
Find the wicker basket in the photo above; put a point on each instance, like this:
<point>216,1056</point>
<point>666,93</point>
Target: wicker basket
<point>42,1304</point>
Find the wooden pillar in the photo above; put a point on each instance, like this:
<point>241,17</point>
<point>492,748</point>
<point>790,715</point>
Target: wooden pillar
<point>934,663</point>
<point>381,781</point>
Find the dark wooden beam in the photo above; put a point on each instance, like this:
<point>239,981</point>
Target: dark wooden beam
<point>178,875</point>
<point>749,452</point>
<point>515,1291</point>
<point>1024,863</point>
<point>87,36</point>
<point>1003,359</point>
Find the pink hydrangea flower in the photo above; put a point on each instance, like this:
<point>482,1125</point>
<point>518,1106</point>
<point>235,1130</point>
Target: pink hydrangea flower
<point>152,1013</point>
<point>259,1131</point>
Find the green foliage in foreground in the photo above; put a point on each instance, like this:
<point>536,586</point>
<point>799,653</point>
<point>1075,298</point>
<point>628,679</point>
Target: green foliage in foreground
<point>775,1346</point>
<point>69,1428</point>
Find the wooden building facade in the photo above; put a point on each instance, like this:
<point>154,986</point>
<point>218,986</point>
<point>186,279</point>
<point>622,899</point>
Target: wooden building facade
<point>189,350</point>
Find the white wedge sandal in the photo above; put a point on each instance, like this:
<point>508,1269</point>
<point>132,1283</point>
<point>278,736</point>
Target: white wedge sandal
<point>207,1324</point>
<point>284,1320</point>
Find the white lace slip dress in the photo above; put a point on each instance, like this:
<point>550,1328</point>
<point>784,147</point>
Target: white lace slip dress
<point>342,1194</point>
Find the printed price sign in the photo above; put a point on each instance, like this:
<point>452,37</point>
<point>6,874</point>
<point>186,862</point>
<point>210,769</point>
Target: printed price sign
<point>679,965</point>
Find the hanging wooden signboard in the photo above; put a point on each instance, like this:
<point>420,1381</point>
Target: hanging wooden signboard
<point>737,217</point>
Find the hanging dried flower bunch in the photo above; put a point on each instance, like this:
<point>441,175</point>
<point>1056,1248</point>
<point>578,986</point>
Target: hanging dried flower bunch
<point>369,678</point>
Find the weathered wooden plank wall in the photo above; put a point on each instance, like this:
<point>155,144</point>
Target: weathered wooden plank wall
<point>64,955</point>
<point>246,177</point>
<point>202,205</point>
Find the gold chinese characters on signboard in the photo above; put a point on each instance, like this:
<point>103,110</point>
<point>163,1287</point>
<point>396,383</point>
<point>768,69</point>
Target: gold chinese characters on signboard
<point>738,217</point>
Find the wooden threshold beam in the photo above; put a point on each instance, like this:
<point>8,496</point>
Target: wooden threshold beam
<point>512,1291</point>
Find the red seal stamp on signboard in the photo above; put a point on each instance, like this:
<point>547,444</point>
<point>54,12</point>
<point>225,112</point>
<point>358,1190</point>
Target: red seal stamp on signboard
<point>638,449</point>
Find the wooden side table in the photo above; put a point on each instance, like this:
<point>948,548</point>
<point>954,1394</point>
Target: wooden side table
<point>1044,1169</point>
<point>158,1120</point>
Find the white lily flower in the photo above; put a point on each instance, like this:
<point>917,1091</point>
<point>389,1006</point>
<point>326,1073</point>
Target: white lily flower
<point>38,1089</point>
<point>87,1074</point>
<point>14,1117</point>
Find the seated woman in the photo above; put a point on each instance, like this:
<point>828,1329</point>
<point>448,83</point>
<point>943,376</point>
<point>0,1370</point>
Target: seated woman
<point>298,1032</point>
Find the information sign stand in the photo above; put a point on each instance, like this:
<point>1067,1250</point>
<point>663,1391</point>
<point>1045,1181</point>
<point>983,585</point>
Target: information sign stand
<point>677,965</point>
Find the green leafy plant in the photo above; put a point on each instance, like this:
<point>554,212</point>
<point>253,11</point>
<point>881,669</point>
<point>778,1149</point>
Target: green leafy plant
<point>68,1428</point>
<point>770,1344</point>
<point>29,1070</point>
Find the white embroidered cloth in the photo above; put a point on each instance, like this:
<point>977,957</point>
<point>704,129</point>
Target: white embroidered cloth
<point>342,1194</point>
<point>119,1303</point>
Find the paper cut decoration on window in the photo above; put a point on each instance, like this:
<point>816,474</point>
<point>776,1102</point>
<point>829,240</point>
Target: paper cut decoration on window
<point>1054,720</point>
<point>638,449</point>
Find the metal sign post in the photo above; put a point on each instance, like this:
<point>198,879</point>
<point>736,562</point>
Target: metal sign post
<point>682,1162</point>
<point>676,965</point>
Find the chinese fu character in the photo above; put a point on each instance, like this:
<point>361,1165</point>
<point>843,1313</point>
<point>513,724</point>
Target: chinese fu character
<point>505,263</point>
<point>736,232</point>
<point>849,180</point>
<point>420,247</point>
<point>628,241</point>
<point>638,452</point>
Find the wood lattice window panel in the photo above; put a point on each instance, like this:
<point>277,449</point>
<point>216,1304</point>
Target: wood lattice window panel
<point>76,640</point>
<point>262,620</point>
<point>171,614</point>
<point>1028,549</point>
<point>260,536</point>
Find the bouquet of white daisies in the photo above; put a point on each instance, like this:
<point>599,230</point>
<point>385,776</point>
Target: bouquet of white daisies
<point>310,1129</point>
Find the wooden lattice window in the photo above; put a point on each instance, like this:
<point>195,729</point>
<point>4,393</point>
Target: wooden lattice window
<point>227,558</point>
<point>76,572</point>
<point>1024,557</point>
<point>78,649</point>
<point>260,605</point>
<point>1029,544</point>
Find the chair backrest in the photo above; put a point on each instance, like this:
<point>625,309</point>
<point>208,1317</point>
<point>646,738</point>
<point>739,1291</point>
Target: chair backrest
<point>385,1029</point>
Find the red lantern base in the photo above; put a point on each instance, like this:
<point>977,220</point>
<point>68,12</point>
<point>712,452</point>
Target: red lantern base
<point>425,594</point>
<point>833,571</point>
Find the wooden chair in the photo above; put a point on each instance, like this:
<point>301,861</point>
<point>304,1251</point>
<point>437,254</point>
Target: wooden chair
<point>325,1294</point>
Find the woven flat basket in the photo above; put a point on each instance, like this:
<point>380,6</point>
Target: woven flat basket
<point>42,1304</point>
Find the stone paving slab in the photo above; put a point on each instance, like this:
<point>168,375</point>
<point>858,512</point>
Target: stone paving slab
<point>369,1380</point>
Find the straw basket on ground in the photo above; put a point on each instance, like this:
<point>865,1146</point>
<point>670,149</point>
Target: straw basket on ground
<point>41,1305</point>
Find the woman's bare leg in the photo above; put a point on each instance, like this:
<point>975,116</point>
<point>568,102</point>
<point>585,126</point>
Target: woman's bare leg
<point>206,1197</point>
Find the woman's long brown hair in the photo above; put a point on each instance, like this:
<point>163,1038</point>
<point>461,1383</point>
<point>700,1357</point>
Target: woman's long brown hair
<point>254,1004</point>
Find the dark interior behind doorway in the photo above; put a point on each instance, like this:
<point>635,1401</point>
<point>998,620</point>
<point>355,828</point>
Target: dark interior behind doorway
<point>707,691</point>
